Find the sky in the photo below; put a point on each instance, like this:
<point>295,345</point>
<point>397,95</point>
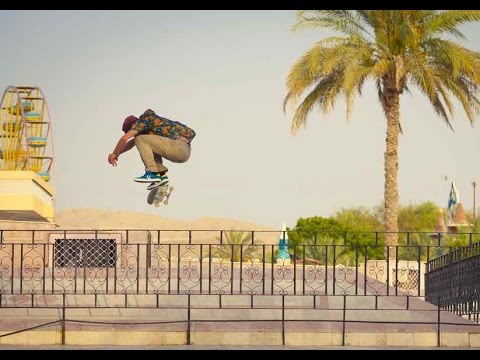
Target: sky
<point>222,73</point>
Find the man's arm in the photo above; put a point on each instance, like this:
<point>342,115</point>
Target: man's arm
<point>125,143</point>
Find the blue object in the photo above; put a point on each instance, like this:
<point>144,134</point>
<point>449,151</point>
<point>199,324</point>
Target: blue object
<point>27,105</point>
<point>36,141</point>
<point>163,181</point>
<point>149,177</point>
<point>283,253</point>
<point>44,175</point>
<point>33,116</point>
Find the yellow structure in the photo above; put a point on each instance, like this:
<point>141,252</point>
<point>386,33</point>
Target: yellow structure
<point>26,156</point>
<point>25,131</point>
<point>25,196</point>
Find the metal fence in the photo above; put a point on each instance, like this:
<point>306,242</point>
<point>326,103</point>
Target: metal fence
<point>453,281</point>
<point>111,266</point>
<point>213,262</point>
<point>102,264</point>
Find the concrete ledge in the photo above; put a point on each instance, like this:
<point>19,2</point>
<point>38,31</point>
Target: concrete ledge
<point>33,337</point>
<point>125,338</point>
<point>366,339</point>
<point>455,339</point>
<point>240,338</point>
<point>313,339</point>
<point>475,340</point>
<point>425,339</point>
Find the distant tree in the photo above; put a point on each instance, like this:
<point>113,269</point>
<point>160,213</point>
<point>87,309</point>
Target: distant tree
<point>324,230</point>
<point>362,233</point>
<point>418,221</point>
<point>351,230</point>
<point>418,217</point>
<point>236,246</point>
<point>310,231</point>
<point>358,231</point>
<point>358,219</point>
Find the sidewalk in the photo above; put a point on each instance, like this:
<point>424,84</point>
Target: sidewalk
<point>217,347</point>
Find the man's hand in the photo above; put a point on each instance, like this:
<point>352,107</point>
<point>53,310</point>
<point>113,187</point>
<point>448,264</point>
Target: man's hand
<point>113,159</point>
<point>125,143</point>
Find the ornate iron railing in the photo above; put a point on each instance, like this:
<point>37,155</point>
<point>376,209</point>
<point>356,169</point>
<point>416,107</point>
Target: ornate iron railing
<point>453,281</point>
<point>47,267</point>
<point>208,262</point>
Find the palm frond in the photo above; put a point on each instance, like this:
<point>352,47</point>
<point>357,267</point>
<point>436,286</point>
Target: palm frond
<point>354,76</point>
<point>462,90</point>
<point>391,47</point>
<point>426,79</point>
<point>457,59</point>
<point>305,72</point>
<point>318,96</point>
<point>447,22</point>
<point>347,22</point>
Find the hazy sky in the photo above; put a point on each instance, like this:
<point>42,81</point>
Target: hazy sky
<point>222,73</point>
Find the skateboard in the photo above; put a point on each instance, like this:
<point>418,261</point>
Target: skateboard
<point>159,194</point>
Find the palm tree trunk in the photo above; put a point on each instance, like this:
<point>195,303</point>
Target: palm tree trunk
<point>392,110</point>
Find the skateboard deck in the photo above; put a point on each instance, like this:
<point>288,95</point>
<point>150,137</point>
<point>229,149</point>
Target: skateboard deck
<point>159,194</point>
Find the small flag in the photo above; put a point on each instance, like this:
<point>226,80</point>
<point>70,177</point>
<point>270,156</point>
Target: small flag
<point>453,200</point>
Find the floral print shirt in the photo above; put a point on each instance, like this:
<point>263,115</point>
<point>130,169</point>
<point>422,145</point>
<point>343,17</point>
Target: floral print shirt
<point>151,123</point>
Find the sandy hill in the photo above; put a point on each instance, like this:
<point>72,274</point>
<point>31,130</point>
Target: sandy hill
<point>114,219</point>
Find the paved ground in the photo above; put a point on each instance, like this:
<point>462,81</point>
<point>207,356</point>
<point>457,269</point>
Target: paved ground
<point>328,314</point>
<point>242,323</point>
<point>216,347</point>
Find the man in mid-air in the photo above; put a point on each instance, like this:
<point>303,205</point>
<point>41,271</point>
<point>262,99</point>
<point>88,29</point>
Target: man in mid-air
<point>156,138</point>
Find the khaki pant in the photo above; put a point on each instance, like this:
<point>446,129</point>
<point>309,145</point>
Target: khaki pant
<point>153,148</point>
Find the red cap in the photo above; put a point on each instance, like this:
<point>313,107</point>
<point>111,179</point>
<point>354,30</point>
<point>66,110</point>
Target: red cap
<point>128,123</point>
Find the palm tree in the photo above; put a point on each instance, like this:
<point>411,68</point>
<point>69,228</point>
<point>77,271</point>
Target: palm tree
<point>395,49</point>
<point>237,246</point>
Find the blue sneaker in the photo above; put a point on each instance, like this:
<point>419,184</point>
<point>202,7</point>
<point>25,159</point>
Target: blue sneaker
<point>163,181</point>
<point>149,177</point>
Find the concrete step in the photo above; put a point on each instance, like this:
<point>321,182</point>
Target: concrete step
<point>370,321</point>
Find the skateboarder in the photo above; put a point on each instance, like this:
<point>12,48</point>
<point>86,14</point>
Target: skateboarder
<point>156,138</point>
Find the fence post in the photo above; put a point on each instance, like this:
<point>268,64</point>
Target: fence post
<point>344,317</point>
<point>283,319</point>
<point>63,319</point>
<point>438,322</point>
<point>188,319</point>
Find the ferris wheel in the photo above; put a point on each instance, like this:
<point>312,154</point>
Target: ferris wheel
<point>26,142</point>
